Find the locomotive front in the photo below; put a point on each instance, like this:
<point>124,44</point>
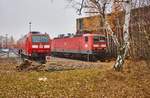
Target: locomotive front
<point>95,45</point>
<point>40,46</point>
<point>99,45</point>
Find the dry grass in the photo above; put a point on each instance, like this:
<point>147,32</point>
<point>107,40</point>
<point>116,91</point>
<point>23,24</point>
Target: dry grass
<point>99,82</point>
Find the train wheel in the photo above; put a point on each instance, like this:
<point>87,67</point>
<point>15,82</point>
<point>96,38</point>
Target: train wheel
<point>91,57</point>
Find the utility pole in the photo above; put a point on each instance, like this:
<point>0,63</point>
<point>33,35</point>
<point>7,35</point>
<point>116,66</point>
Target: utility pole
<point>6,40</point>
<point>7,46</point>
<point>3,42</point>
<point>30,24</point>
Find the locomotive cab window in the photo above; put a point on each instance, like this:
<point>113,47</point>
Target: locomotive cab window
<point>86,38</point>
<point>96,39</point>
<point>102,39</point>
<point>99,39</point>
<point>40,38</point>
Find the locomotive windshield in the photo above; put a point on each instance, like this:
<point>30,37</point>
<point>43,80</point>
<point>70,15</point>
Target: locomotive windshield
<point>39,38</point>
<point>99,39</point>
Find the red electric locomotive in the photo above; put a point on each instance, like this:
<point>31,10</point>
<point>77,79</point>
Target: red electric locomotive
<point>35,45</point>
<point>89,46</point>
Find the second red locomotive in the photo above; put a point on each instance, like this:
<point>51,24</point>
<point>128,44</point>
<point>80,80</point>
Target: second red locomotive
<point>89,46</point>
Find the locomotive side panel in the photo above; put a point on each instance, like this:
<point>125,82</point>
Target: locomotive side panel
<point>68,45</point>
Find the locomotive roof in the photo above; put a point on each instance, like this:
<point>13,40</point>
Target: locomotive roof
<point>35,32</point>
<point>32,33</point>
<point>93,35</point>
<point>79,35</point>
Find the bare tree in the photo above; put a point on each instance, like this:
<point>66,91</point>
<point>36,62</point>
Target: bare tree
<point>101,7</point>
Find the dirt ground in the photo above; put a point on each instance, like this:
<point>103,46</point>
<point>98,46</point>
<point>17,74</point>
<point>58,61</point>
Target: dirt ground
<point>74,79</point>
<point>62,64</point>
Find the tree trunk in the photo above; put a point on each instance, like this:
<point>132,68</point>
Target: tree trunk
<point>123,49</point>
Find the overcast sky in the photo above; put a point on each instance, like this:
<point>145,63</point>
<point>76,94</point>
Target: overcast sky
<point>46,16</point>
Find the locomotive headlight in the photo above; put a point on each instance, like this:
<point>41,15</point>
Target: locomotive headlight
<point>86,45</point>
<point>96,45</point>
<point>46,46</point>
<point>34,46</point>
<point>103,45</point>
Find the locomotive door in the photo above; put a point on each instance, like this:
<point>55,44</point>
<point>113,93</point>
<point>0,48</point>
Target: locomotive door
<point>27,46</point>
<point>86,39</point>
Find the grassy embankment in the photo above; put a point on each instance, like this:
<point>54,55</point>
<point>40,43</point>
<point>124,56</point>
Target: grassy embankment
<point>133,82</point>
